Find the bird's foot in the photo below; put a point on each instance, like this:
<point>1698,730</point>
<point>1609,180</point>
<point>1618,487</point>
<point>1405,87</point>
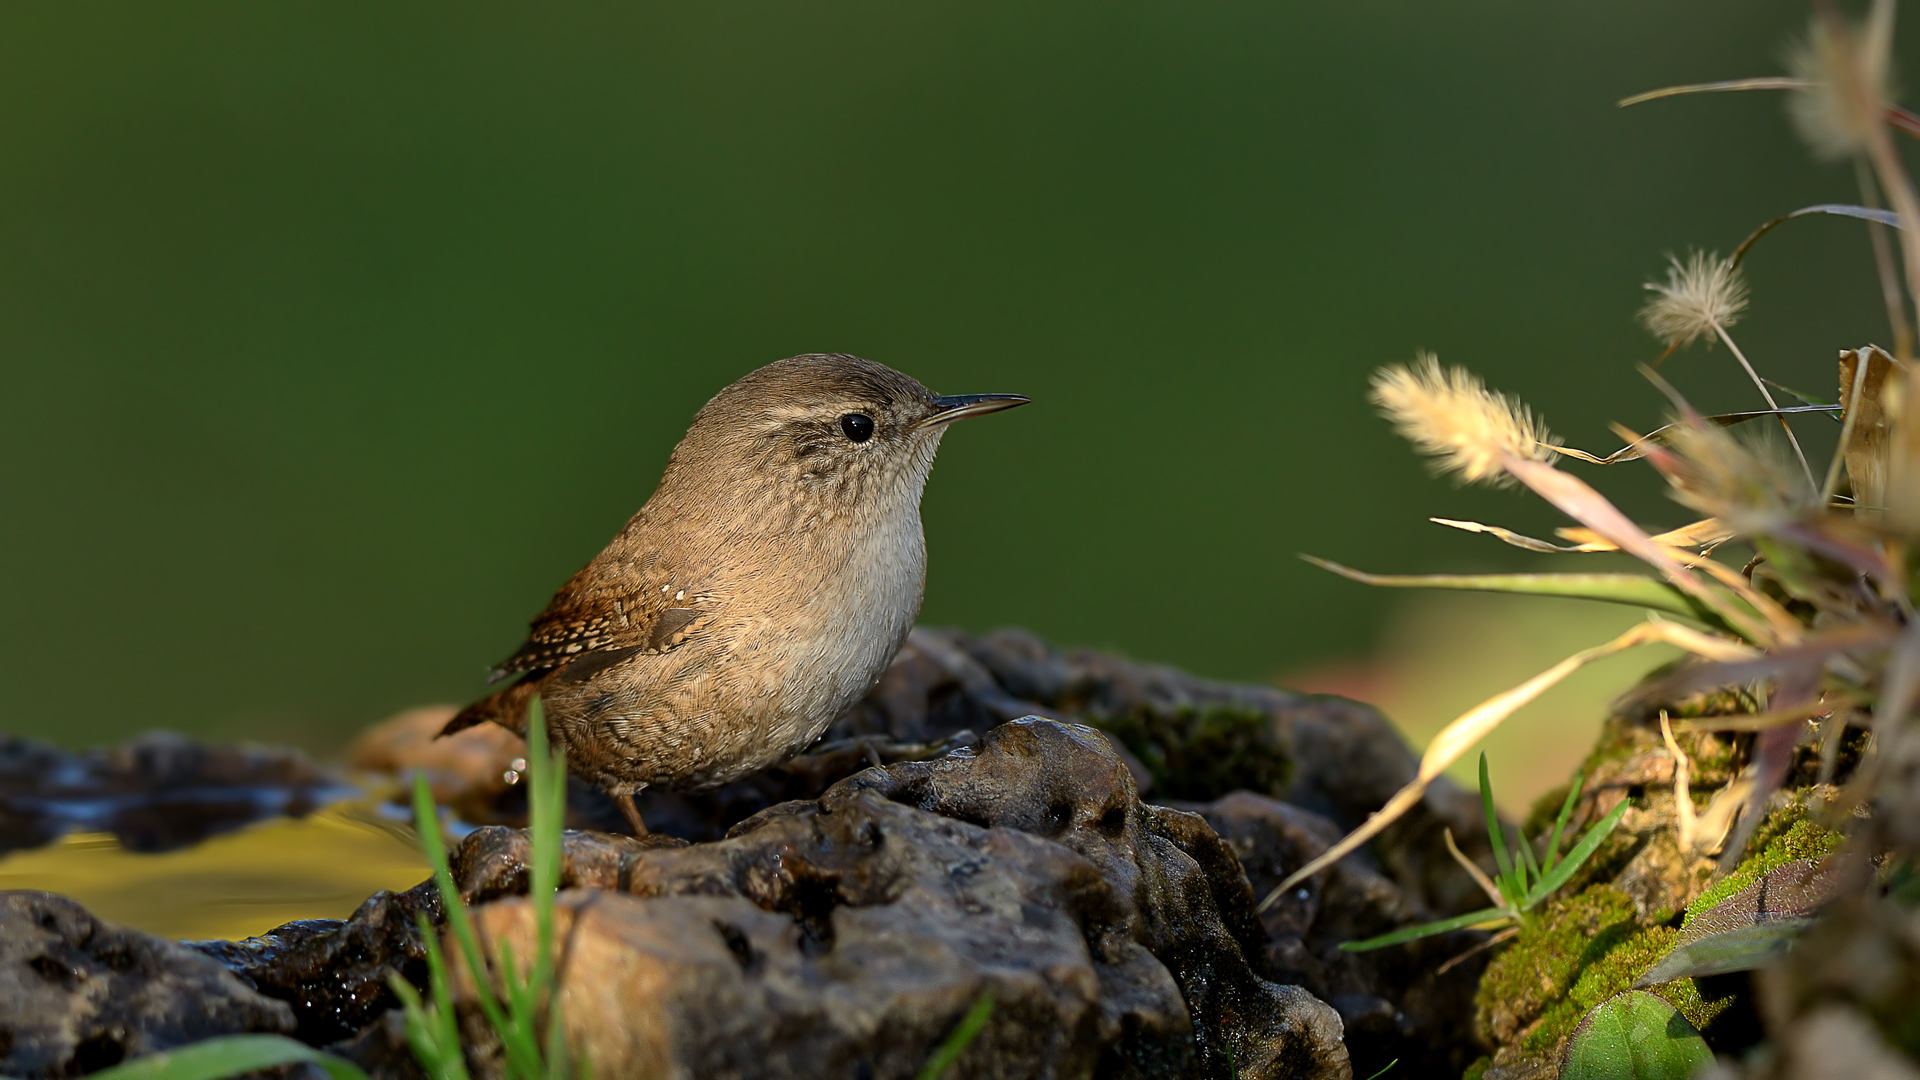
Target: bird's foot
<point>632,813</point>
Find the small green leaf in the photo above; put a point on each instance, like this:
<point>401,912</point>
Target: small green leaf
<point>1735,950</point>
<point>1634,1036</point>
<point>1526,855</point>
<point>1512,883</point>
<point>1750,929</point>
<point>229,1055</point>
<point>1560,823</point>
<point>1581,852</point>
<point>1410,933</point>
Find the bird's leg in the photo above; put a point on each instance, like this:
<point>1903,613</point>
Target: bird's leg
<point>632,812</point>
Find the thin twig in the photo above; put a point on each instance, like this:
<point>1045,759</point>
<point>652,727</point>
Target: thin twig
<point>1480,877</point>
<point>1682,793</point>
<point>1505,935</point>
<point>1768,82</point>
<point>1771,404</point>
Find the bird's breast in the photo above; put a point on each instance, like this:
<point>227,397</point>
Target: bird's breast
<point>848,612</point>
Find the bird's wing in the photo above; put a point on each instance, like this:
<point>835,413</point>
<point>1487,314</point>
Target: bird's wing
<point>655,612</point>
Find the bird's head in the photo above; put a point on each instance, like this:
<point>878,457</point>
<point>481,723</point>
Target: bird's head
<point>823,434</point>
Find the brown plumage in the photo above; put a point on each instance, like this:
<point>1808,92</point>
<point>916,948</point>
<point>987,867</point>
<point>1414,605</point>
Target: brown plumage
<point>760,591</point>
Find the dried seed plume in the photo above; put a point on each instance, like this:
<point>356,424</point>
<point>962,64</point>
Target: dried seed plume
<point>1754,485</point>
<point>1701,296</point>
<point>1452,416</point>
<point>1848,75</point>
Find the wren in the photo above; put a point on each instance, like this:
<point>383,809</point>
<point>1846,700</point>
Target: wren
<point>759,593</point>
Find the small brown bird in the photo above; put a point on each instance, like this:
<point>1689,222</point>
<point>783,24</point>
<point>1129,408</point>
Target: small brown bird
<point>757,595</point>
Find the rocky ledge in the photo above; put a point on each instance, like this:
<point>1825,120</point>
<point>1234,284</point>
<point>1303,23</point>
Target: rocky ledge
<point>977,824</point>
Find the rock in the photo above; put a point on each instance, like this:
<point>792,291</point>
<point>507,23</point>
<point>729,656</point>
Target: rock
<point>156,793</point>
<point>1337,760</point>
<point>1021,860</point>
<point>1181,736</point>
<point>78,995</point>
<point>468,772</point>
<point>332,973</point>
<point>846,936</point>
<point>1333,757</point>
<point>492,862</point>
<point>1412,1003</point>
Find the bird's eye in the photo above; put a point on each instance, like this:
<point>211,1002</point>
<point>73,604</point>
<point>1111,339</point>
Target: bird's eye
<point>857,426</point>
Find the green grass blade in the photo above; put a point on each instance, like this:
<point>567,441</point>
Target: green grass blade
<point>956,1044</point>
<point>446,1021</point>
<point>523,1055</point>
<point>1560,823</point>
<point>1581,852</point>
<point>543,836</point>
<point>1525,849</point>
<point>1634,590</point>
<point>1411,933</point>
<point>432,1032</point>
<point>229,1055</point>
<point>1496,837</point>
<point>547,809</point>
<point>427,820</point>
<point>1383,1069</point>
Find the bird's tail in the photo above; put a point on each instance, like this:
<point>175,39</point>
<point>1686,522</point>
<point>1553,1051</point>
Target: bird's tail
<point>507,707</point>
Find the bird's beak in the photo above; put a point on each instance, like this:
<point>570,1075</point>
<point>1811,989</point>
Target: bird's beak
<point>961,406</point>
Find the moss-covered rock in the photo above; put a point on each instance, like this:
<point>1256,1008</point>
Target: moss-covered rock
<point>1555,945</point>
<point>1568,957</point>
<point>1787,835</point>
<point>1199,753</point>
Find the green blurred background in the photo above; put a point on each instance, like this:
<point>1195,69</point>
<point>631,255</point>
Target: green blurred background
<point>336,335</point>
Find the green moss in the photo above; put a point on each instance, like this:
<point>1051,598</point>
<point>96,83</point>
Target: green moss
<point>1556,1024</point>
<point>1574,955</point>
<point>1714,757</point>
<point>1204,753</point>
<point>1790,836</point>
<point>1478,1069</point>
<point>1613,855</point>
<point>1615,974</point>
<point>1555,944</point>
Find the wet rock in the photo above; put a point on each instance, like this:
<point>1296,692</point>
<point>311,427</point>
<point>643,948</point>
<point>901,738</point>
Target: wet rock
<point>78,995</point>
<point>492,862</point>
<point>156,793</point>
<point>847,935</point>
<point>332,973</point>
<point>1412,1003</point>
<point>1332,761</point>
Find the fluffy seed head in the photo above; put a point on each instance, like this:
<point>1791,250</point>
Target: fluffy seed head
<point>1849,72</point>
<point>1753,484</point>
<point>1699,295</point>
<point>1452,416</point>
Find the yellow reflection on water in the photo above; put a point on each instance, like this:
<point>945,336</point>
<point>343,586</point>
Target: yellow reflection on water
<point>234,886</point>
